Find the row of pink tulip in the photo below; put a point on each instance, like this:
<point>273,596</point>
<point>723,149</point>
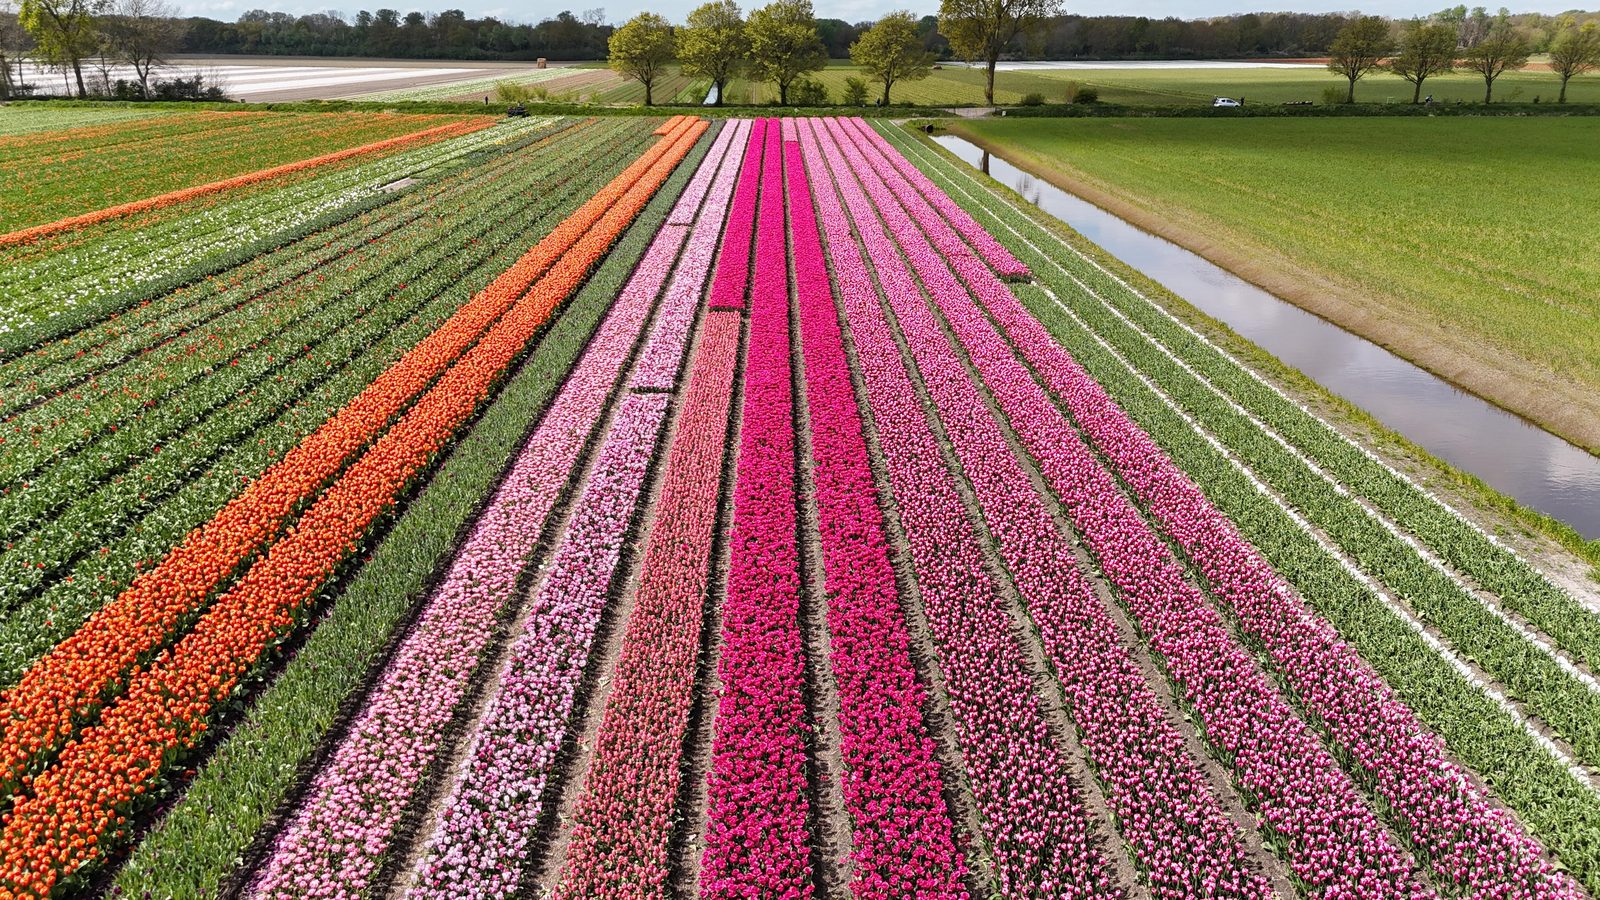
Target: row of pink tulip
<point>346,825</point>
<point>903,842</point>
<point>990,250</point>
<point>757,841</point>
<point>1466,838</point>
<point>1035,829</point>
<point>1335,842</point>
<point>1172,819</point>
<point>483,834</point>
<point>662,358</point>
<point>622,821</point>
<point>732,280</point>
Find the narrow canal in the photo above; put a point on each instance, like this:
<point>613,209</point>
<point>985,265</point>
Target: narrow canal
<point>1518,458</point>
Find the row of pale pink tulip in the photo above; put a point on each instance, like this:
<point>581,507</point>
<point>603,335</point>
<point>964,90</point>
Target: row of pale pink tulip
<point>622,822</point>
<point>483,834</point>
<point>903,843</point>
<point>757,840</point>
<point>1172,818</point>
<point>1334,841</point>
<point>662,358</point>
<point>1451,822</point>
<point>347,824</point>
<point>1035,830</point>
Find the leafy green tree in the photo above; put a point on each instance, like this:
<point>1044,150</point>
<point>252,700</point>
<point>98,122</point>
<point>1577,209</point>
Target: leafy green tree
<point>784,44</point>
<point>12,49</point>
<point>713,44</point>
<point>641,49</point>
<point>892,51</point>
<point>1358,48</point>
<point>1425,50</point>
<point>984,29</point>
<point>142,33</point>
<point>1504,49</point>
<point>1575,51</point>
<point>64,32</point>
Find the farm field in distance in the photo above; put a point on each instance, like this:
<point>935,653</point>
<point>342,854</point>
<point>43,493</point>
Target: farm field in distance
<point>1420,248</point>
<point>725,507</point>
<point>956,85</point>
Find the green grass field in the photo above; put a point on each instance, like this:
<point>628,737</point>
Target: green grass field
<point>954,85</point>
<point>1455,237</point>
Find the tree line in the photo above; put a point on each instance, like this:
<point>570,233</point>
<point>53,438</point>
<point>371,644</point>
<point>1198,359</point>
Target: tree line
<point>1458,40</point>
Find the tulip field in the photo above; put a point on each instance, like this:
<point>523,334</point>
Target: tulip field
<point>739,508</point>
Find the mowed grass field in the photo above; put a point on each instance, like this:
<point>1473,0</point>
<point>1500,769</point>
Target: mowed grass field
<point>1458,241</point>
<point>955,85</point>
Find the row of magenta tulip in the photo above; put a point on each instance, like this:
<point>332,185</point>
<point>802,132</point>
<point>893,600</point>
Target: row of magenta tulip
<point>757,840</point>
<point>1451,822</point>
<point>163,709</point>
<point>903,842</point>
<point>1334,840</point>
<point>622,820</point>
<point>1035,830</point>
<point>1185,843</point>
<point>347,823</point>
<point>732,281</point>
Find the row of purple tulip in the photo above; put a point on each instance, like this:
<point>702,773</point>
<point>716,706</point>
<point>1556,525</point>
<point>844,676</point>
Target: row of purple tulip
<point>1454,825</point>
<point>1034,827</point>
<point>346,826</point>
<point>1172,819</point>
<point>903,843</point>
<point>757,841</point>
<point>1335,842</point>
<point>622,821</point>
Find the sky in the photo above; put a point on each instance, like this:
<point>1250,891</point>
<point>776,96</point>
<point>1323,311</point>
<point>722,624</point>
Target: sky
<point>849,10</point>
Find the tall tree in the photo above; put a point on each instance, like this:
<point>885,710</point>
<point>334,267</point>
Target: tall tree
<point>1574,52</point>
<point>1358,48</point>
<point>142,33</point>
<point>784,44</point>
<point>984,29</point>
<point>892,51</point>
<point>1504,49</point>
<point>12,49</point>
<point>713,44</point>
<point>64,32</point>
<point>1425,50</point>
<point>641,49</point>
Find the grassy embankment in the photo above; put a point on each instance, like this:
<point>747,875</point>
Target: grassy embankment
<point>1455,242</point>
